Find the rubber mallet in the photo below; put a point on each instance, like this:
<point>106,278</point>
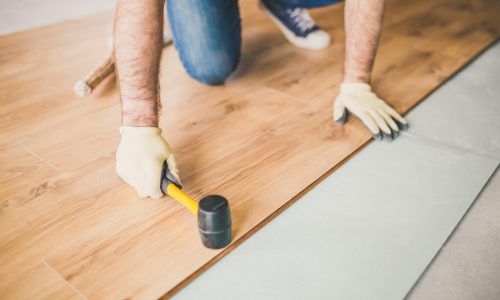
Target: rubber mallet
<point>214,218</point>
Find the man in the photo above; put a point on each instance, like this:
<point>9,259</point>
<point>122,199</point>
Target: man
<point>207,35</point>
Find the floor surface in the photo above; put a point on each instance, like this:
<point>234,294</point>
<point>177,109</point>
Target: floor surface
<point>456,258</point>
<point>386,212</point>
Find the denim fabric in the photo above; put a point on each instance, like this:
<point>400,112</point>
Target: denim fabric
<point>207,35</point>
<point>306,3</point>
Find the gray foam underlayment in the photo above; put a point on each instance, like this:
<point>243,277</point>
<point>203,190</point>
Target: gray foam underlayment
<point>371,228</point>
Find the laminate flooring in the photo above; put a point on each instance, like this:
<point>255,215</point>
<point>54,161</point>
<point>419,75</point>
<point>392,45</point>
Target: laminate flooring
<point>70,227</point>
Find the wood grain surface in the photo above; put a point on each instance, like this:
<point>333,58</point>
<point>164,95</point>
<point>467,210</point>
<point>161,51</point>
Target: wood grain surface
<point>71,228</point>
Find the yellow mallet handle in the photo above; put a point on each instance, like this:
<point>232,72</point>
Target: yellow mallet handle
<point>181,197</point>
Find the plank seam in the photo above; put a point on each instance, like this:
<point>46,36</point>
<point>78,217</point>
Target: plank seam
<point>39,157</point>
<point>64,279</point>
<point>281,93</point>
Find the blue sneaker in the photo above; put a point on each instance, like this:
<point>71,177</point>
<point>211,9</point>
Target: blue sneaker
<point>297,25</point>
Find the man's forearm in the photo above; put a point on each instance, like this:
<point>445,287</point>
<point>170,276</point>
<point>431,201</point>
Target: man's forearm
<point>137,40</point>
<point>363,23</point>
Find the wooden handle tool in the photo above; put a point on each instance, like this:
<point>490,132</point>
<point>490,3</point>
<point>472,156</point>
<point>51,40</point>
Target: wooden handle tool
<point>86,86</point>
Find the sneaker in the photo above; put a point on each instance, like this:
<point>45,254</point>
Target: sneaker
<point>297,25</point>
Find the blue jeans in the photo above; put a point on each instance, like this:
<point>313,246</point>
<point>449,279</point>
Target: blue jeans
<point>207,35</point>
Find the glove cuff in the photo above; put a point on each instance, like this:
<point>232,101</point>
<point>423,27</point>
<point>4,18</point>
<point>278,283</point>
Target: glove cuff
<point>130,130</point>
<point>356,87</point>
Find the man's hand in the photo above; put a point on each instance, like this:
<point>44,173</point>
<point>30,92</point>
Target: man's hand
<point>140,157</point>
<point>363,23</point>
<point>381,119</point>
<point>142,150</point>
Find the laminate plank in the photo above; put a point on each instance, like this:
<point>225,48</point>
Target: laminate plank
<point>91,201</point>
<point>39,282</point>
<point>261,140</point>
<point>39,68</point>
<point>23,176</point>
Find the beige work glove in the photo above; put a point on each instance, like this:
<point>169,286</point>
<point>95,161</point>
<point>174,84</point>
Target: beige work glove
<point>381,119</point>
<point>139,159</point>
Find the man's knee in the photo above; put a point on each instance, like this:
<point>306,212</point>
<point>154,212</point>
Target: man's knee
<point>212,68</point>
<point>207,35</point>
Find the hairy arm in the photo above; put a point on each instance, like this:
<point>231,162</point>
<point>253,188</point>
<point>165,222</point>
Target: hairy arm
<point>137,39</point>
<point>363,23</point>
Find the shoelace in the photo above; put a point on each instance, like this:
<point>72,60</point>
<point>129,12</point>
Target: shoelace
<point>302,18</point>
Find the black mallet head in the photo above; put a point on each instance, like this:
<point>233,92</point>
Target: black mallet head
<point>214,221</point>
<point>214,218</point>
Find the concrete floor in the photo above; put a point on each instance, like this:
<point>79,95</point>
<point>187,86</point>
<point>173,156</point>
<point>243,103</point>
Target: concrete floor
<point>468,265</point>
